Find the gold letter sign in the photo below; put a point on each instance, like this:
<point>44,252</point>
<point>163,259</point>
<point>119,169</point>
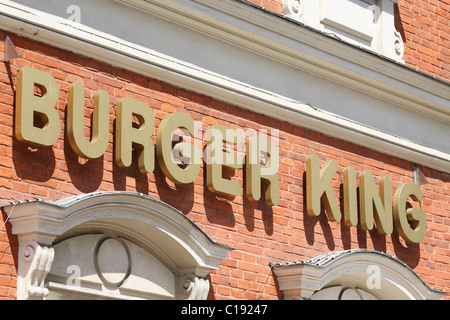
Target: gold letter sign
<point>188,151</point>
<point>139,138</point>
<point>37,121</point>
<point>256,147</point>
<point>411,222</point>
<point>75,122</point>
<point>318,187</point>
<point>375,206</point>
<point>216,158</point>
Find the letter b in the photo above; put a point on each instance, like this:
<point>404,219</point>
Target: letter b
<point>37,121</point>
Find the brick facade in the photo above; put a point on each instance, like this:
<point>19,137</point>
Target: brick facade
<point>425,29</point>
<point>259,233</point>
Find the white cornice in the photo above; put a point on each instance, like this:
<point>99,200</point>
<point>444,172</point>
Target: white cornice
<point>266,34</point>
<point>306,49</point>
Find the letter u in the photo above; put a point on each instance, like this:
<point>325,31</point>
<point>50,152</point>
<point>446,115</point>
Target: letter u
<point>96,147</point>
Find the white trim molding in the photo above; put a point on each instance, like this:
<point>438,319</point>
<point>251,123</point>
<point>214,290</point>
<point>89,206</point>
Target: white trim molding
<point>418,99</point>
<point>365,23</point>
<point>367,274</point>
<point>132,220</point>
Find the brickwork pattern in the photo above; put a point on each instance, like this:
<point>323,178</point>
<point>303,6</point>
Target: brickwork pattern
<point>425,29</point>
<point>259,233</point>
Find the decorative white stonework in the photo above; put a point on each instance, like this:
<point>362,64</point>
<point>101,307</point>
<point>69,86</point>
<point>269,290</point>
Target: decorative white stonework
<point>121,261</point>
<point>292,8</point>
<point>365,23</point>
<point>105,266</point>
<point>195,288</point>
<point>111,245</point>
<point>342,293</point>
<point>398,44</point>
<point>352,274</point>
<point>35,262</point>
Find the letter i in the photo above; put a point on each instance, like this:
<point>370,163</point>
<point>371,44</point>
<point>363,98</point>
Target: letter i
<point>350,197</point>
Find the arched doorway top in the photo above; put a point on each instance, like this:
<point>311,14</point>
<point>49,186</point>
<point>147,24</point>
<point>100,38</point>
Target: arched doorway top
<point>376,273</point>
<point>157,227</point>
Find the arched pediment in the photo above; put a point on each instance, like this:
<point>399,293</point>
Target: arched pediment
<point>165,233</point>
<point>365,273</point>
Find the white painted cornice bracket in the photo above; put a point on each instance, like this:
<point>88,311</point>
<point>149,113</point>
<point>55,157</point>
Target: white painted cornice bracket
<point>35,262</point>
<point>368,24</point>
<point>391,43</point>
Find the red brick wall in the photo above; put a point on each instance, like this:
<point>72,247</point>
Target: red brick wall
<point>272,5</point>
<point>260,234</point>
<point>425,28</point>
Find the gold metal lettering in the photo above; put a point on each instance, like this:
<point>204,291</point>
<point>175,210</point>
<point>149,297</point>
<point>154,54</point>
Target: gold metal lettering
<point>411,222</point>
<point>139,138</point>
<point>216,159</point>
<point>257,172</point>
<point>164,149</point>
<point>39,107</point>
<point>375,205</point>
<point>37,122</point>
<point>350,197</point>
<point>98,143</point>
<point>319,188</point>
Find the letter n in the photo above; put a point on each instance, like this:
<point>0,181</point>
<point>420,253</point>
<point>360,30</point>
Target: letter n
<point>375,206</point>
